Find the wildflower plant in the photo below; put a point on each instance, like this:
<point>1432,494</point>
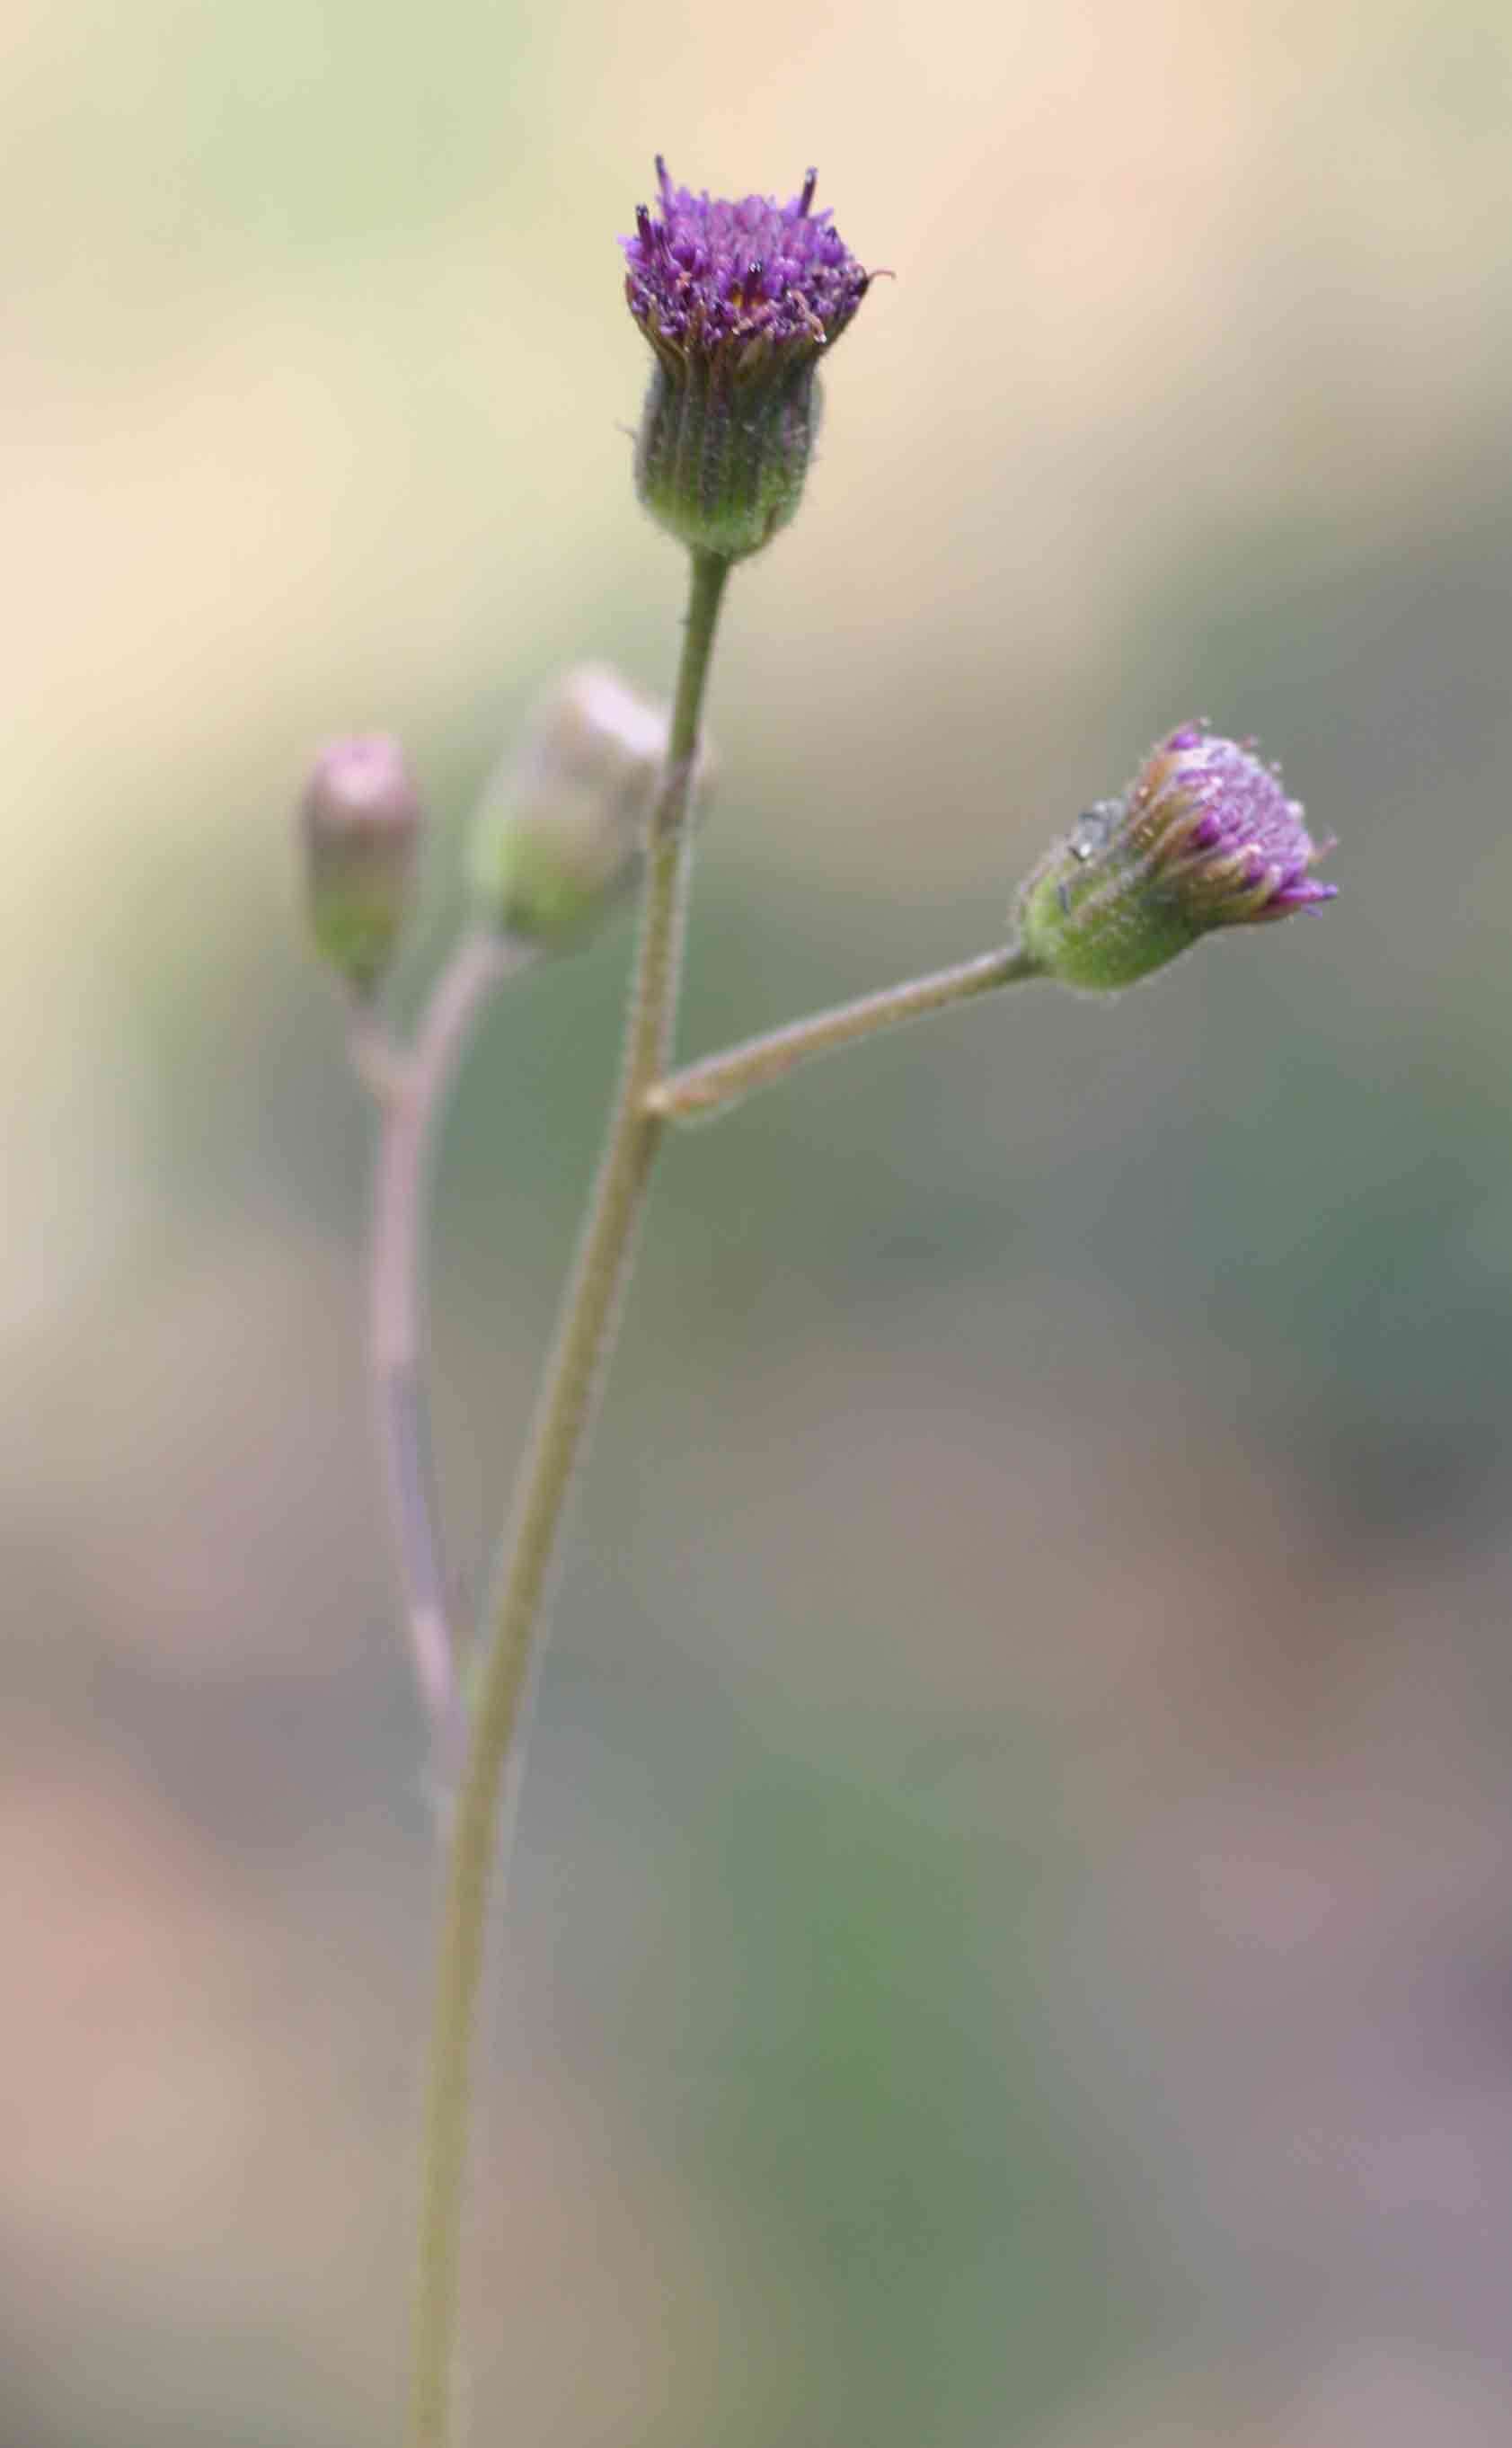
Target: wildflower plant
<point>742,303</point>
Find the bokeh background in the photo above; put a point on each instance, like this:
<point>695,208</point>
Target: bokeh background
<point>1012,1934</point>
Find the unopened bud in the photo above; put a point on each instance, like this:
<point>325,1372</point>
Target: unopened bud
<point>361,822</point>
<point>559,835</point>
<point>1204,837</point>
<point>739,300</point>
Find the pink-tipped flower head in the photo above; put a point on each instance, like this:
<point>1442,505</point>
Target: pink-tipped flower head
<point>739,299</point>
<point>1205,836</point>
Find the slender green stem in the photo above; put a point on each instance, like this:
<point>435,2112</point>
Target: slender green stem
<point>705,1089</point>
<point>583,1336</point>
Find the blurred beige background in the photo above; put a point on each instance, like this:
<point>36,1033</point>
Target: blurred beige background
<point>1013,1934</point>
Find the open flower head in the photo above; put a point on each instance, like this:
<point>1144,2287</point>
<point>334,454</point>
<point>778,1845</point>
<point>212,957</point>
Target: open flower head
<point>739,283</point>
<point>1205,836</point>
<point>739,299</point>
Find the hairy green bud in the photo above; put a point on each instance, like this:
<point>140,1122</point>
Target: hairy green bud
<point>560,834</point>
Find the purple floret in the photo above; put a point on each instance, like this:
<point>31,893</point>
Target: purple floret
<point>705,273</point>
<point>1219,823</point>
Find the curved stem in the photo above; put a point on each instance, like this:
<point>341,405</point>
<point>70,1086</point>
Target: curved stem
<point>583,1336</point>
<point>412,1094</point>
<point>705,1088</point>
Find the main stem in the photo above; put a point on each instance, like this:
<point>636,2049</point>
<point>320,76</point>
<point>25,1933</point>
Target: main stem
<point>581,1349</point>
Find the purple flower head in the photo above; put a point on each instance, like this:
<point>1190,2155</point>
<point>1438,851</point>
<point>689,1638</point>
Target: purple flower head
<point>738,281</point>
<point>740,302</point>
<point>1218,828</point>
<point>1205,836</point>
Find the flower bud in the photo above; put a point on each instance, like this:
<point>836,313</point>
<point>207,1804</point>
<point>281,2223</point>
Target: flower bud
<point>361,821</point>
<point>561,831</point>
<point>738,300</point>
<point>1205,836</point>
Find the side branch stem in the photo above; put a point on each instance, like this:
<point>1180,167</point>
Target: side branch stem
<point>583,1337</point>
<point>705,1088</point>
<point>411,1092</point>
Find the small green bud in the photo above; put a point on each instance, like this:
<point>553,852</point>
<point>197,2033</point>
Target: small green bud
<point>361,822</point>
<point>560,832</point>
<point>1204,837</point>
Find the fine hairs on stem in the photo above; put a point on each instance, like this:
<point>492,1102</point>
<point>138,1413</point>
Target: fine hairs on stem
<point>740,302</point>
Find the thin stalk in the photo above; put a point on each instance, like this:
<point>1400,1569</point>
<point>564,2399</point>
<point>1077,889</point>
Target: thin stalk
<point>411,1092</point>
<point>705,1088</point>
<point>584,1334</point>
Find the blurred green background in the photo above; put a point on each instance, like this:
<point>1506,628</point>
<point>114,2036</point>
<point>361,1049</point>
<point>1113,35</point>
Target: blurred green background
<point>1011,1939</point>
